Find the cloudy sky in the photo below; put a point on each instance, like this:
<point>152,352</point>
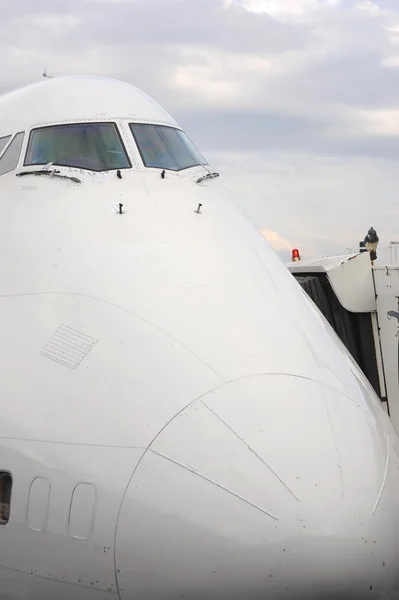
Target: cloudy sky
<point>296,102</point>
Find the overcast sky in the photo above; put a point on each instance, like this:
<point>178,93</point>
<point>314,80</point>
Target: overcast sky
<point>296,102</point>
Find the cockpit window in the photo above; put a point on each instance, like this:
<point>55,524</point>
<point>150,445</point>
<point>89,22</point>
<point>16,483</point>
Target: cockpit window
<point>163,147</point>
<point>91,146</point>
<point>4,142</point>
<point>10,158</point>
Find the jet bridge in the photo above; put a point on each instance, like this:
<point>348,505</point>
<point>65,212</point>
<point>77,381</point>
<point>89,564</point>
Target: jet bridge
<point>361,303</point>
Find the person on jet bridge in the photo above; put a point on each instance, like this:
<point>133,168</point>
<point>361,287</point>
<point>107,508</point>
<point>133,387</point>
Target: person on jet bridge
<point>371,242</point>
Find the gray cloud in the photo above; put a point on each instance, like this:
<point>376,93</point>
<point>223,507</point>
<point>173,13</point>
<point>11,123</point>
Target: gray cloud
<point>159,23</point>
<point>194,22</point>
<point>255,130</point>
<point>270,132</point>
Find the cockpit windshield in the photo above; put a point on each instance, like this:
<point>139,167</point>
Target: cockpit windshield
<point>163,147</point>
<point>91,146</point>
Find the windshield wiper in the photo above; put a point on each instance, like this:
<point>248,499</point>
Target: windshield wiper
<point>207,176</point>
<point>50,173</point>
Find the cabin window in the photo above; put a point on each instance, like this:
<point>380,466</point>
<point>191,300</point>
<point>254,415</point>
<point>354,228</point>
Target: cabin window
<point>4,142</point>
<point>39,504</point>
<point>10,158</point>
<point>90,146</point>
<point>5,496</point>
<point>163,147</point>
<point>82,511</point>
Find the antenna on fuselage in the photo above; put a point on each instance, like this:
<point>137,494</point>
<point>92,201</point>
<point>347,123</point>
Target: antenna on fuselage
<point>45,74</point>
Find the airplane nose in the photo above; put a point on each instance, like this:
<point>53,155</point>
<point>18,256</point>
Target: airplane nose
<point>272,486</point>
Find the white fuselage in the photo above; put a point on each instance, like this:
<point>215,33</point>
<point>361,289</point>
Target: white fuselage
<point>178,419</point>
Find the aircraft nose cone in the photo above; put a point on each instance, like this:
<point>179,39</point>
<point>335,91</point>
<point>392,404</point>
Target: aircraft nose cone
<point>268,487</point>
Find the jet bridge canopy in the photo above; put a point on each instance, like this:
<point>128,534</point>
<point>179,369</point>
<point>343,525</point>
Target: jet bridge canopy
<point>349,275</point>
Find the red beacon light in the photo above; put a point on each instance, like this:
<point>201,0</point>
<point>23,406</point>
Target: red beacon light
<point>296,257</point>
